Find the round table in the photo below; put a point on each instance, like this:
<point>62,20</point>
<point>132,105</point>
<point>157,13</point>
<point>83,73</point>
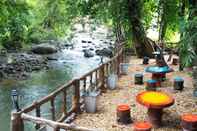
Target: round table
<point>158,73</point>
<point>155,102</point>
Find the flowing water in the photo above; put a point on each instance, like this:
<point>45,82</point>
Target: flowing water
<point>71,63</point>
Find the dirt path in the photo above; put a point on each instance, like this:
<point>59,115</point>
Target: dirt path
<point>105,118</point>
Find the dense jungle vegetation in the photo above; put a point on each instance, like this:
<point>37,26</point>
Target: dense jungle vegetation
<point>23,22</point>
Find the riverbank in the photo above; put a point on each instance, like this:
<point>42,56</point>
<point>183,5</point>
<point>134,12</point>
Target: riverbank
<point>19,64</point>
<point>67,63</point>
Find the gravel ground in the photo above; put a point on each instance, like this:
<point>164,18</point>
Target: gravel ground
<point>105,118</point>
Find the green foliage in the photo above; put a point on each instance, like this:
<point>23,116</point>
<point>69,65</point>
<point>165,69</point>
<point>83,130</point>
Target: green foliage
<point>14,22</point>
<point>30,21</point>
<point>26,21</point>
<point>172,18</point>
<point>150,9</point>
<point>188,45</point>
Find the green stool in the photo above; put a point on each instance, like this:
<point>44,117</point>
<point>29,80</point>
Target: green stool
<point>178,83</point>
<point>139,79</point>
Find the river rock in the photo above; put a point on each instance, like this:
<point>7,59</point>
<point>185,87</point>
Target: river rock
<point>83,41</point>
<point>3,59</point>
<point>91,49</point>
<point>88,53</point>
<point>105,42</point>
<point>105,52</point>
<point>68,45</point>
<point>44,48</point>
<point>51,58</point>
<point>84,46</point>
<point>20,64</point>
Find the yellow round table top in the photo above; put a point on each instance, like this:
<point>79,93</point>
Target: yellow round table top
<point>153,99</point>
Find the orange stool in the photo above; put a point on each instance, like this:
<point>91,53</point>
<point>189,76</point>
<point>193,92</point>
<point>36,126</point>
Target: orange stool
<point>142,126</point>
<point>123,114</point>
<point>189,122</point>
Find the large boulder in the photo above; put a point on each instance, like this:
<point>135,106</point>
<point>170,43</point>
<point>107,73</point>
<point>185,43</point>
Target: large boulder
<point>44,49</point>
<point>88,53</point>
<point>105,52</point>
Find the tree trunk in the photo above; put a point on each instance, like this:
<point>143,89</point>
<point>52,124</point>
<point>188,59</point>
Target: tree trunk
<point>163,23</point>
<point>192,16</point>
<point>181,17</point>
<point>143,45</point>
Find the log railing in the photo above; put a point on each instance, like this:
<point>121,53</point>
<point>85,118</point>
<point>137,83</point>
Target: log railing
<point>93,79</point>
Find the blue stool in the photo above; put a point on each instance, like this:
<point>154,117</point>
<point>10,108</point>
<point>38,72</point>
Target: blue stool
<point>139,79</point>
<point>151,85</point>
<point>178,83</point>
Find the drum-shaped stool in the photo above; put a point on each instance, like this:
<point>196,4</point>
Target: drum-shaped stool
<point>142,126</point>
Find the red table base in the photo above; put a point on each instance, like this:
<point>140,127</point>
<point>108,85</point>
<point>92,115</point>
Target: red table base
<point>155,117</point>
<point>159,76</point>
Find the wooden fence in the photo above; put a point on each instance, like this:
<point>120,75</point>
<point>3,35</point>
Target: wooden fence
<point>95,78</point>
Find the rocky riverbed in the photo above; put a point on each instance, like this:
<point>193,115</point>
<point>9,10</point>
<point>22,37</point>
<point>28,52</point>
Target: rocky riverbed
<point>19,64</point>
<point>55,69</point>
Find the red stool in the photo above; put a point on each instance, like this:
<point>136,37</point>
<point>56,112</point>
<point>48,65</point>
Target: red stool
<point>189,122</point>
<point>123,114</point>
<point>142,126</point>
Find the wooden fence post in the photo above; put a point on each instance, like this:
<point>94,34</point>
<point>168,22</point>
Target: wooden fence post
<point>16,122</point>
<point>53,109</point>
<point>37,115</point>
<point>118,64</point>
<point>102,78</point>
<point>77,96</point>
<point>122,55</point>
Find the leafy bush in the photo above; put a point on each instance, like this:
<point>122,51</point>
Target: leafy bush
<point>188,47</point>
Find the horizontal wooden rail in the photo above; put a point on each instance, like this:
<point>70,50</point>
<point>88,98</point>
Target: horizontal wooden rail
<point>47,98</point>
<point>53,124</point>
<point>95,78</point>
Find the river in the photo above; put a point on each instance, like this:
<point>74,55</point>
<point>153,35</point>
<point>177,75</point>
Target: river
<point>70,63</point>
